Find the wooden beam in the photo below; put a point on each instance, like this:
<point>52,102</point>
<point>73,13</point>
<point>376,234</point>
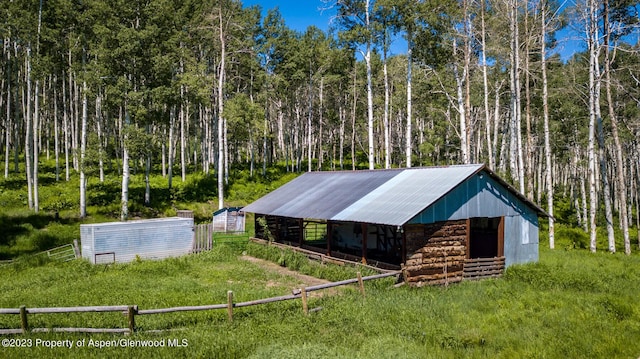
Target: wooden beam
<point>501,237</point>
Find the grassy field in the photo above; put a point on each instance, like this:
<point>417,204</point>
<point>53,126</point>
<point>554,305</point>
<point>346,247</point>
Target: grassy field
<point>572,304</point>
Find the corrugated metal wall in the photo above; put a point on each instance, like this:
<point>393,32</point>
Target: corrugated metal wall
<point>148,239</point>
<point>520,240</point>
<point>228,220</point>
<point>481,196</point>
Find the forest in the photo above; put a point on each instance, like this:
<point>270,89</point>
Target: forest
<point>101,88</point>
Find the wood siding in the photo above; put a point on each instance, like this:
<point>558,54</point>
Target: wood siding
<point>438,253</point>
<point>435,252</point>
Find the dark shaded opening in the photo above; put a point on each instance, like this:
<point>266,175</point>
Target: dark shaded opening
<point>484,237</point>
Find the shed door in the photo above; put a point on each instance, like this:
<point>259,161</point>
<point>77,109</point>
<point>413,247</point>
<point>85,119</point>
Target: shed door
<point>486,237</point>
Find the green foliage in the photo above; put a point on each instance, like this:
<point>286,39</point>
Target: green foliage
<point>26,233</point>
<point>572,237</point>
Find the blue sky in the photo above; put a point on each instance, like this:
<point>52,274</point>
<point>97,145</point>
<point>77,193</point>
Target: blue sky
<point>298,15</point>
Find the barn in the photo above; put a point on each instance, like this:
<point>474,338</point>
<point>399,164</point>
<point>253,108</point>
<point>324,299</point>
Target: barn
<point>438,224</point>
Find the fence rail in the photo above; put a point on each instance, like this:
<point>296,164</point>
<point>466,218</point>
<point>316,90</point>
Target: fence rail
<point>131,311</point>
<point>334,259</point>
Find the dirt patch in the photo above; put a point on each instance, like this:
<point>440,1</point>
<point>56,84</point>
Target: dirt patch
<point>307,280</point>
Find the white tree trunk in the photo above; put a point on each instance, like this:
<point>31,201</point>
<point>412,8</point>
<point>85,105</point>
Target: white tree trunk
<point>409,96</point>
<point>221,126</point>
<point>367,59</point>
<point>28,137</point>
<point>621,185</point>
<point>485,83</point>
<point>98,120</point>
<point>515,149</point>
<point>65,129</point>
<point>56,131</point>
<point>547,145</point>
<point>183,145</point>
<point>320,127</point>
<point>387,130</point>
<point>606,190</point>
<point>83,148</point>
<point>496,126</point>
<point>518,100</point>
<point>7,133</point>
<point>464,144</point>
<point>593,200</point>
<point>172,120</point>
<point>124,198</point>
<point>310,126</point>
<point>36,149</point>
<point>147,187</point>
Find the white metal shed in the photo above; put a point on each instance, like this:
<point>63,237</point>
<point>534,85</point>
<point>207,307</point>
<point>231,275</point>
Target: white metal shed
<point>147,239</point>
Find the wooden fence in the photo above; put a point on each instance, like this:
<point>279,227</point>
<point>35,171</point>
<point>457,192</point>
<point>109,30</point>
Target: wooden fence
<point>131,311</point>
<point>310,253</point>
<point>202,237</point>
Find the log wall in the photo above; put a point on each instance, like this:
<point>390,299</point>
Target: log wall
<point>435,253</point>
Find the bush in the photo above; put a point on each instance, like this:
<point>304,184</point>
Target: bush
<point>571,237</point>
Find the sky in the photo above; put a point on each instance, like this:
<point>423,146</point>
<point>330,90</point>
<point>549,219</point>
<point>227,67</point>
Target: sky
<point>300,14</point>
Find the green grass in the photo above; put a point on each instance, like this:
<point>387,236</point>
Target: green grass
<point>571,304</point>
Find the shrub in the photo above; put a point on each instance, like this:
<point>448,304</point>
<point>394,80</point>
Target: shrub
<point>572,237</point>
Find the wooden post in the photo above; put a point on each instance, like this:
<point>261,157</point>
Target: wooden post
<point>329,237</point>
<point>305,306</point>
<point>361,283</point>
<point>131,315</point>
<point>404,245</point>
<point>210,235</point>
<point>23,319</point>
<point>76,248</point>
<point>300,232</point>
<point>230,305</point>
<point>365,229</point>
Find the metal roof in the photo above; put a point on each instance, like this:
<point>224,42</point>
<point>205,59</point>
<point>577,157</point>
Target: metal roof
<point>389,197</point>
